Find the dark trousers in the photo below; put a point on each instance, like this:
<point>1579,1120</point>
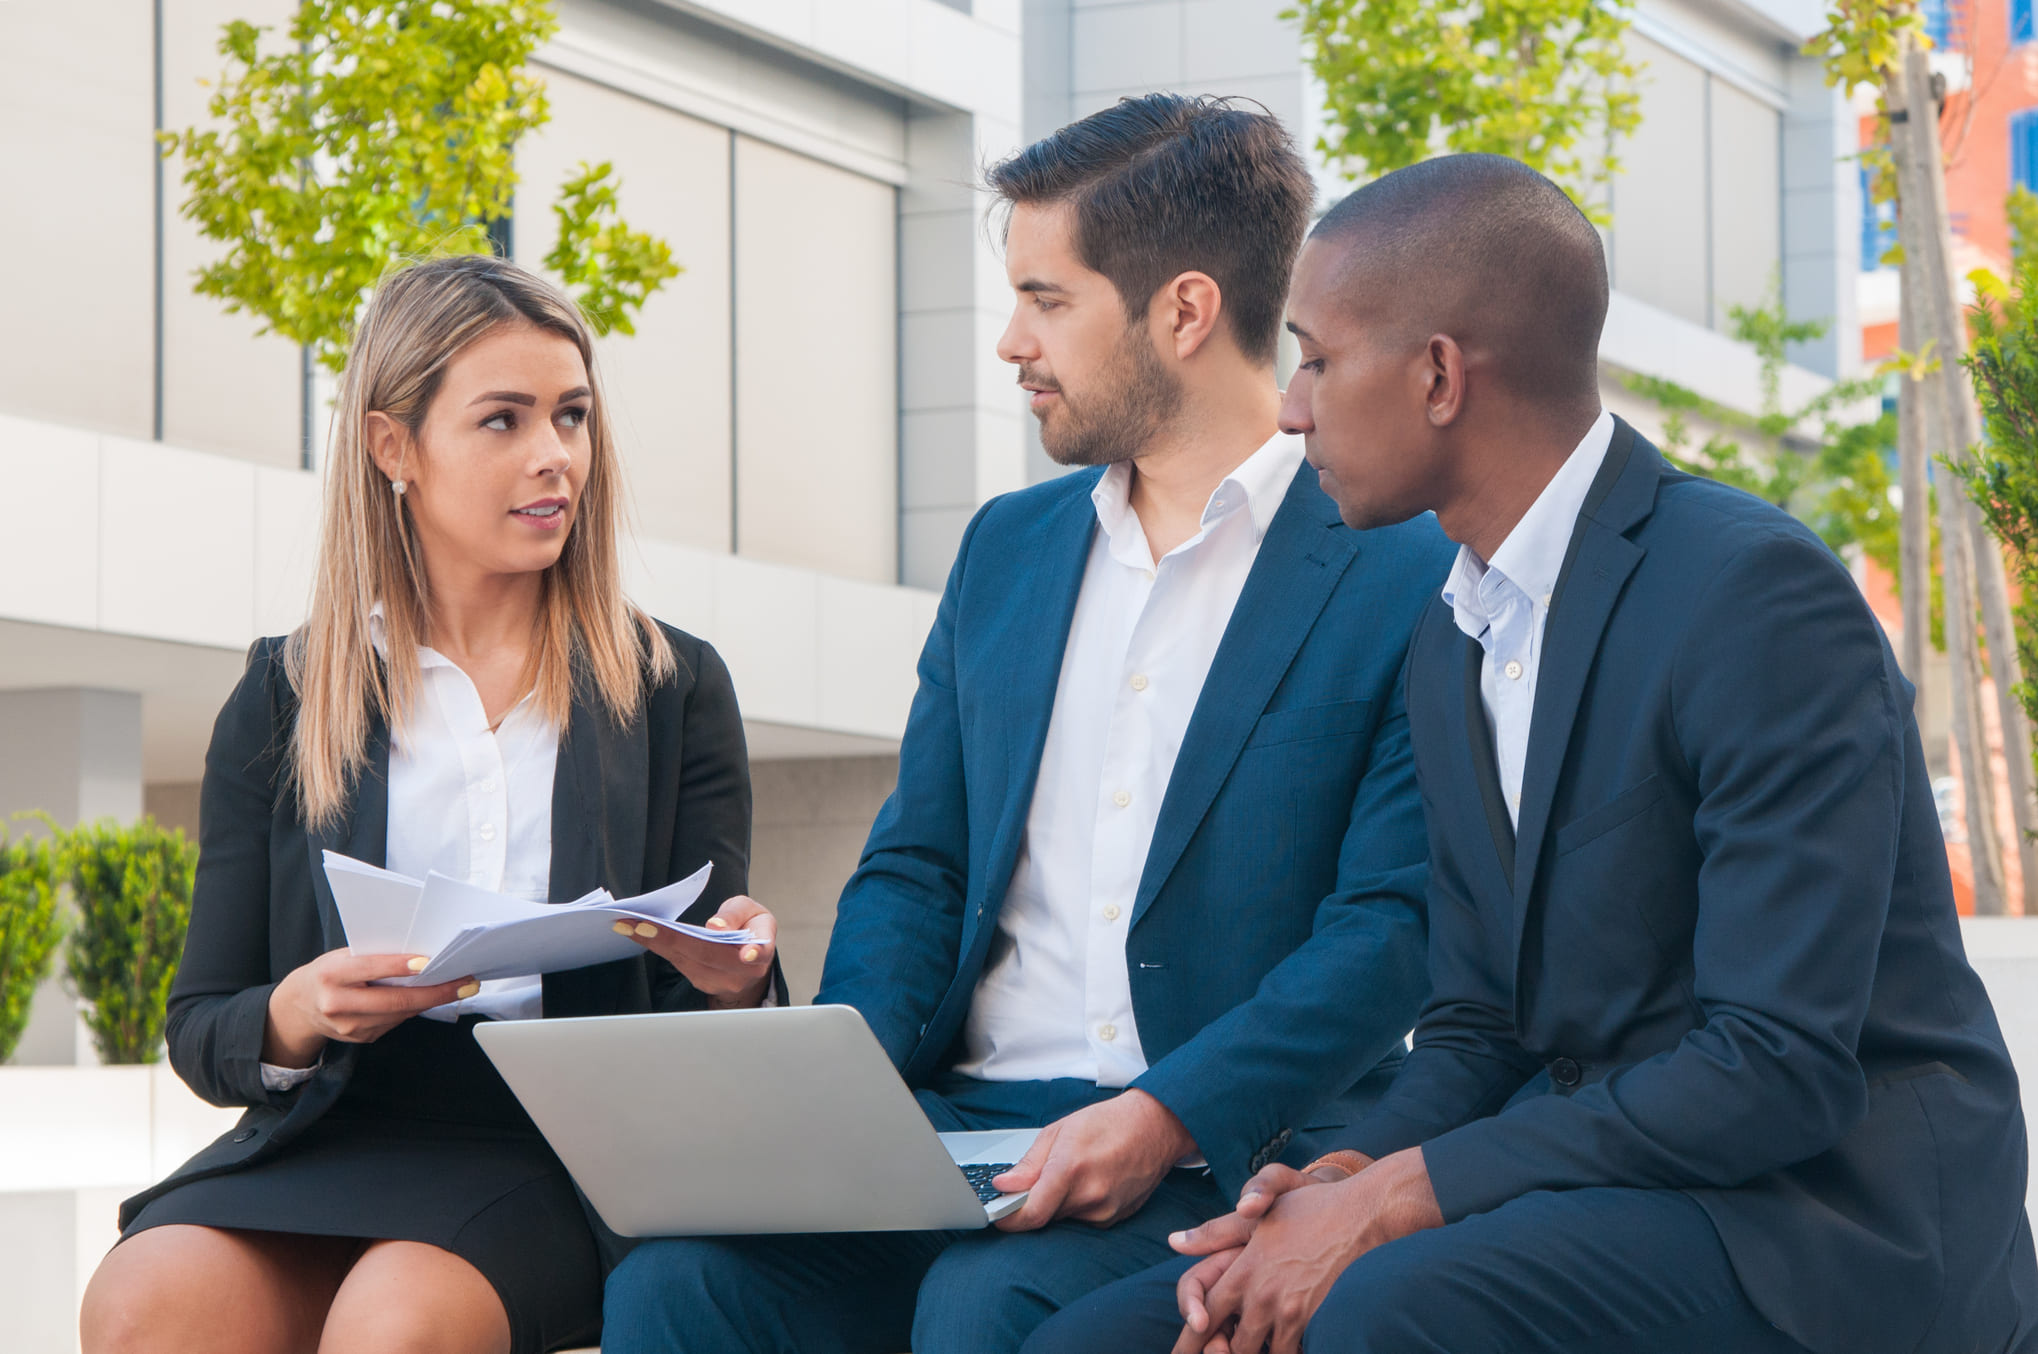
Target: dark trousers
<point>975,1292</point>
<point>1589,1271</point>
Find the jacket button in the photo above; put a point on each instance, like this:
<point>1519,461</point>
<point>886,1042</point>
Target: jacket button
<point>244,1134</point>
<point>1564,1072</point>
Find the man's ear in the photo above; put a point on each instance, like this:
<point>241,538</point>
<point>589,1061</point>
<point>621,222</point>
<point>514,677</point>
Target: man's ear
<point>1444,369</point>
<point>1187,312</point>
<point>389,447</point>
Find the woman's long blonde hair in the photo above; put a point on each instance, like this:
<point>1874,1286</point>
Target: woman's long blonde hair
<point>419,319</point>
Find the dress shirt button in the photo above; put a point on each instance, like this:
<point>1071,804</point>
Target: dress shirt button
<point>486,787</point>
<point>1107,1033</point>
<point>1149,574</point>
<point>1513,670</point>
<point>1565,1072</point>
<point>487,832</point>
<point>1111,912</point>
<point>1139,681</point>
<point>1122,798</point>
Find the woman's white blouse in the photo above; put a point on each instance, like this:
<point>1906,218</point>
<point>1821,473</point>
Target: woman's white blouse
<point>474,805</point>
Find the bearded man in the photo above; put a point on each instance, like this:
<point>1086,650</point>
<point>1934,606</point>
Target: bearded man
<point>1153,876</point>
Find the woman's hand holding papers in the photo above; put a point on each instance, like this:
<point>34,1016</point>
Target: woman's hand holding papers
<point>330,998</point>
<point>729,975</point>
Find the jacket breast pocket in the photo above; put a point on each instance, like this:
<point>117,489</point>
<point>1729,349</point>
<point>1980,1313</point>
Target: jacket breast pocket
<point>1337,719</point>
<point>1624,807</point>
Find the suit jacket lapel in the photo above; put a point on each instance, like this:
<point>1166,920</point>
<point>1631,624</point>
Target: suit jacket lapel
<point>1596,568</point>
<point>1305,553</point>
<point>362,832</point>
<point>1485,764</point>
<point>1027,654</point>
<point>598,808</point>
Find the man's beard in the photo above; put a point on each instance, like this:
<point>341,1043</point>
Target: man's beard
<point>1133,400</point>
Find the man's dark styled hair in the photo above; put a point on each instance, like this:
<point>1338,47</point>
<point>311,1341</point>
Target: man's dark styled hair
<point>1168,184</point>
<point>1486,249</point>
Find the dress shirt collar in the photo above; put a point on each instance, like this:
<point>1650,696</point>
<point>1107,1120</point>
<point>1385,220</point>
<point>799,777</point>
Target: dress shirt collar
<point>378,635</point>
<point>1532,556</point>
<point>1259,484</point>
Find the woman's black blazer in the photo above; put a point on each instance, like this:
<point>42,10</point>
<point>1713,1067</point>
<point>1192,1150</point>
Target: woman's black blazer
<point>634,807</point>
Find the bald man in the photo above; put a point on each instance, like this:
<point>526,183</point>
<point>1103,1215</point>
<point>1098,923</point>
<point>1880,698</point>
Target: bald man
<point>1705,1069</point>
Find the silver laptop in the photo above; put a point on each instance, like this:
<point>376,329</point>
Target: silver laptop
<point>720,1123</point>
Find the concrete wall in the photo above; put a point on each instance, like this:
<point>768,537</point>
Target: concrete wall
<point>812,818</point>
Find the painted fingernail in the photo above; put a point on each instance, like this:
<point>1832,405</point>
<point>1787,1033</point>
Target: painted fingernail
<point>717,924</point>
<point>646,929</point>
<point>621,928</point>
<point>468,990</point>
<point>750,953</point>
<point>417,965</point>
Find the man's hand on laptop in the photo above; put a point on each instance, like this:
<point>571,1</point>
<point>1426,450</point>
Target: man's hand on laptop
<point>729,975</point>
<point>1097,1165</point>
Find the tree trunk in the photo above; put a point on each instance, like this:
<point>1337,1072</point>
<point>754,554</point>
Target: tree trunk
<point>1915,527</point>
<point>1962,432</point>
<point>1928,284</point>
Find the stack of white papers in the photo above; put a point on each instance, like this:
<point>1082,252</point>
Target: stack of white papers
<point>473,932</point>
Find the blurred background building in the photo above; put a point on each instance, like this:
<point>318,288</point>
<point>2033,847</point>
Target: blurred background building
<point>809,413</point>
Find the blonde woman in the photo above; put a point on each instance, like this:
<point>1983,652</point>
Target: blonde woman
<point>471,694</point>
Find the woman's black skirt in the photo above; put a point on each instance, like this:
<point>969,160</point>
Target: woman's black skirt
<point>426,1144</point>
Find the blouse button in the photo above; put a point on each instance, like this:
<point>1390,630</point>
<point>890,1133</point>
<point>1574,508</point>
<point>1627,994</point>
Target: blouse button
<point>1108,1033</point>
<point>486,787</point>
<point>487,832</point>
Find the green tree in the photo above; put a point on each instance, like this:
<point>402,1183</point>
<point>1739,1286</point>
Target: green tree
<point>29,930</point>
<point>2002,476</point>
<point>1545,81</point>
<point>132,888</point>
<point>1832,474</point>
<point>384,130</point>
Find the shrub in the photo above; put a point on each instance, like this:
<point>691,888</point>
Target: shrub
<point>132,889</point>
<point>29,930</point>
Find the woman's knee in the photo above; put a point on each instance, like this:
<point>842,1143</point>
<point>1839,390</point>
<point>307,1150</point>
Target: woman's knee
<point>405,1297</point>
<point>157,1293</point>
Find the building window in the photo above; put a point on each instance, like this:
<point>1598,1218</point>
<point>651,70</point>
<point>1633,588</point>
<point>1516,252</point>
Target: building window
<point>1878,227</point>
<point>1946,20</point>
<point>2020,21</point>
<point>2024,148</point>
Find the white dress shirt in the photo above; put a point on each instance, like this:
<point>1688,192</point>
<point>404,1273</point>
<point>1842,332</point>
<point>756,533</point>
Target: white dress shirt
<point>1505,603</point>
<point>1055,999</point>
<point>470,803</point>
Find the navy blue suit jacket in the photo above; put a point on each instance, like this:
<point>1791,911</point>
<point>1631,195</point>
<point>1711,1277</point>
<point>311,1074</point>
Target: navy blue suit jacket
<point>1721,955</point>
<point>1276,941</point>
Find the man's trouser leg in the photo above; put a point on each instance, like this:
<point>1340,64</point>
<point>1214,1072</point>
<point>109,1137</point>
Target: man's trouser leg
<point>1590,1271</point>
<point>989,1290</point>
<point>851,1293</point>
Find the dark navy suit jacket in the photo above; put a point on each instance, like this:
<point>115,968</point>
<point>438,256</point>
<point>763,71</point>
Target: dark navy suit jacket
<point>1721,954</point>
<point>1276,941</point>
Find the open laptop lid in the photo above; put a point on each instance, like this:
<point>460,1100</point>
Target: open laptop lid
<point>711,1123</point>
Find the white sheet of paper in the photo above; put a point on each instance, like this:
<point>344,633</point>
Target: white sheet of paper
<point>449,907</point>
<point>376,906</point>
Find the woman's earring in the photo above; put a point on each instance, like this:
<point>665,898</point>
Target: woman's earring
<point>398,486</point>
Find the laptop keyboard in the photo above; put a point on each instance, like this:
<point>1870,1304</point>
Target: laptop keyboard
<point>979,1178</point>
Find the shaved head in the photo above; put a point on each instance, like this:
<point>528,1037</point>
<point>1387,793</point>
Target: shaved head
<point>1486,250</point>
<point>1449,317</point>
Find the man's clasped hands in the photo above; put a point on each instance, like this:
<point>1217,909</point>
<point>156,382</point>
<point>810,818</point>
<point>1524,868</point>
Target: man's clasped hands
<point>1268,1265</point>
